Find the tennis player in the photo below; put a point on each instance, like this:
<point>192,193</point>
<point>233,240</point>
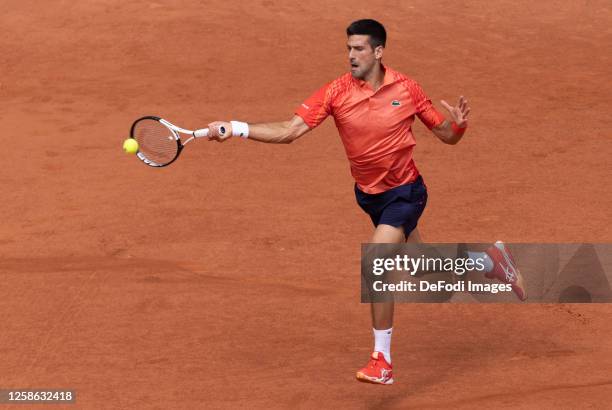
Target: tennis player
<point>374,107</point>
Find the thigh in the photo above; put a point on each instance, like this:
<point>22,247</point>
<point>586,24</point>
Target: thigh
<point>405,213</point>
<point>400,207</point>
<point>388,234</point>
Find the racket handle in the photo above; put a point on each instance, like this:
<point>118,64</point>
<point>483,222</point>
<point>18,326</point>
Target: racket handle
<point>201,133</point>
<point>204,132</point>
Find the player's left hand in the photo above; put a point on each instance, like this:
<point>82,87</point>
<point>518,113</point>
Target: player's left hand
<point>459,112</point>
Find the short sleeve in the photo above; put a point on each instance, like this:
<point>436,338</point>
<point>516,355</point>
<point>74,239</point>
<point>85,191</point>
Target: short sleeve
<point>425,110</point>
<point>316,108</point>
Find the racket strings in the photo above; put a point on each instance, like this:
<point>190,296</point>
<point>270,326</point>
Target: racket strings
<point>155,141</point>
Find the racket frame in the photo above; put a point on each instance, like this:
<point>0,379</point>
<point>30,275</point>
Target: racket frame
<point>200,133</point>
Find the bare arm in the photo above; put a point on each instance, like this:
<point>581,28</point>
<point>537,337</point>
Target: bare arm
<point>272,132</point>
<point>448,133</point>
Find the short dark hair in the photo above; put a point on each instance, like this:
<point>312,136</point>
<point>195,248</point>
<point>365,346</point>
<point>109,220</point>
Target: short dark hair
<point>372,28</point>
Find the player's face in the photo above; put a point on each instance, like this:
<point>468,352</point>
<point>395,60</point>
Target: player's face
<point>362,57</point>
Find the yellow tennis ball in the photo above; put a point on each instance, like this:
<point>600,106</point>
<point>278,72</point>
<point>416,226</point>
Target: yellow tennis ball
<point>130,146</point>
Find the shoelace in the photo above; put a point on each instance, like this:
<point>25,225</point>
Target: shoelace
<point>510,276</point>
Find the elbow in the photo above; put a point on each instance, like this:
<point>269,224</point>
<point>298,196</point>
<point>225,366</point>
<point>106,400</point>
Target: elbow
<point>286,139</point>
<point>292,130</point>
<point>290,135</point>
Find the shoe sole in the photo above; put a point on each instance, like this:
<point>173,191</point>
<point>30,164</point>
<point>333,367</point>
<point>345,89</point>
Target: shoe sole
<point>365,379</point>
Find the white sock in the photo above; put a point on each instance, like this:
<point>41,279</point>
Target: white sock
<point>487,262</point>
<point>382,342</point>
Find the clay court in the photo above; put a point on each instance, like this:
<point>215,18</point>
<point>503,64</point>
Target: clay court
<point>231,278</point>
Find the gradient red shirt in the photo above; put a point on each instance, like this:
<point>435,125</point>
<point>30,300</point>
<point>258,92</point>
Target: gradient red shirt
<point>375,126</point>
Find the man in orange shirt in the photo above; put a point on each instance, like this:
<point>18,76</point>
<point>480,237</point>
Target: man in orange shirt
<point>374,107</point>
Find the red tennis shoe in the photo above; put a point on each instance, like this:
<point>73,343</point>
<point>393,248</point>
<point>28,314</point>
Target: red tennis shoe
<point>505,270</point>
<point>376,371</point>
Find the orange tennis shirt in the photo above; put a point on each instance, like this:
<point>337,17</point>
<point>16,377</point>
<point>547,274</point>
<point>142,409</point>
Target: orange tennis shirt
<point>375,126</point>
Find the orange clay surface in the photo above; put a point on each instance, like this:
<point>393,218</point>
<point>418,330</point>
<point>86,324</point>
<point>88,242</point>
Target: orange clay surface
<point>231,278</point>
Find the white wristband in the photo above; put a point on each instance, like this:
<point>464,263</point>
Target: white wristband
<point>240,129</point>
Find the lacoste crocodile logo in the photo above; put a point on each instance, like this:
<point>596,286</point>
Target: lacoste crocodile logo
<point>396,103</point>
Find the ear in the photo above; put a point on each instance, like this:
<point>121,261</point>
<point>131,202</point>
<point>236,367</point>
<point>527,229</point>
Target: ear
<point>378,52</point>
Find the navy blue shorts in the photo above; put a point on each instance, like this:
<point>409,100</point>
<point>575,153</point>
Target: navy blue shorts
<point>399,206</point>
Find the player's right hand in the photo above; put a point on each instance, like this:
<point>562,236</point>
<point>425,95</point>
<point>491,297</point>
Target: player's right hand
<point>215,133</point>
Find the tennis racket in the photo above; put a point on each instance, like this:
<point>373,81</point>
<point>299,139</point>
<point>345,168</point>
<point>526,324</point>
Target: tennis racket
<point>159,141</point>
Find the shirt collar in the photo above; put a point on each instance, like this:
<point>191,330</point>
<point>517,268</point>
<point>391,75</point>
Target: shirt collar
<point>389,78</point>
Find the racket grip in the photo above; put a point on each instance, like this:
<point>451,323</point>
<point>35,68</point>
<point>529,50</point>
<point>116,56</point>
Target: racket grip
<point>201,133</point>
<point>204,132</point>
